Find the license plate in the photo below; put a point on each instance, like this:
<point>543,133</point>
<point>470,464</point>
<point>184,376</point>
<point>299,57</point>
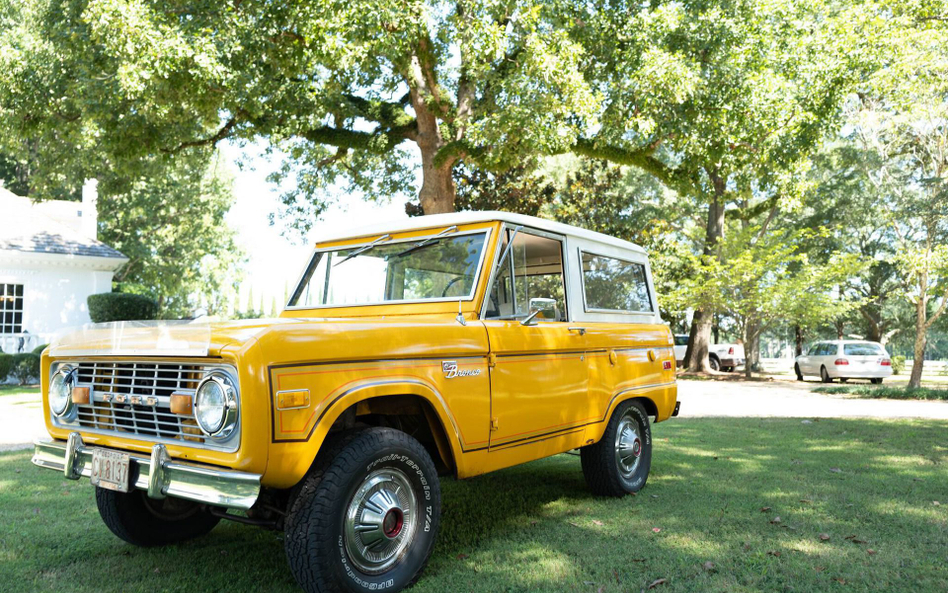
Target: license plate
<point>110,470</point>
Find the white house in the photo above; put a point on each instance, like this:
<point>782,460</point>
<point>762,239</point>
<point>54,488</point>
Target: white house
<point>50,261</point>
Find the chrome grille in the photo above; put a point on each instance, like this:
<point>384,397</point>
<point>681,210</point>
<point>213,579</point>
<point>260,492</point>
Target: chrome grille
<point>135,397</point>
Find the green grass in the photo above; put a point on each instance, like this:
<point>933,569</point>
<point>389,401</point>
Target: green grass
<point>19,389</point>
<point>881,392</point>
<point>536,528</point>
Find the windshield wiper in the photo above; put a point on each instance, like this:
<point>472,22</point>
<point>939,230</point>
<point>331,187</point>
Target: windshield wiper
<point>363,249</point>
<point>424,243</point>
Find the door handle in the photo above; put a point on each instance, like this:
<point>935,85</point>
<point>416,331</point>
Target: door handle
<point>581,330</point>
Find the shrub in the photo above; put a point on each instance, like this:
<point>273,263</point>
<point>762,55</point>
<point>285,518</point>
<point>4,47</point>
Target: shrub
<point>26,366</point>
<point>39,349</point>
<point>898,365</point>
<point>6,365</point>
<point>120,306</point>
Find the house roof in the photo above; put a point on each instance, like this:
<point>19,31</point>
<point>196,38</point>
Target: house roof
<point>435,221</point>
<point>25,227</point>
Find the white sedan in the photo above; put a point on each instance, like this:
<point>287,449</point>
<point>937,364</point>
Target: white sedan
<point>844,360</point>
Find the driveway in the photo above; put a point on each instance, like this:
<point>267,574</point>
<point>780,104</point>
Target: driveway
<point>792,399</point>
<point>21,416</point>
<point>21,421</point>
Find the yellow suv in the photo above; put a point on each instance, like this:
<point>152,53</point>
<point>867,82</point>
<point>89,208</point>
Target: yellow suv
<point>449,344</point>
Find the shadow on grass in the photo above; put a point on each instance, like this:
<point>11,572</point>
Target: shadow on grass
<point>536,528</point>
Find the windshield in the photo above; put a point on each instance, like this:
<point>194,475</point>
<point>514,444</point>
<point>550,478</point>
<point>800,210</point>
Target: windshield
<point>444,268</point>
<point>862,350</point>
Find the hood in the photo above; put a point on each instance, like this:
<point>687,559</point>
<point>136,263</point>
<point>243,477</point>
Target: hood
<point>200,338</point>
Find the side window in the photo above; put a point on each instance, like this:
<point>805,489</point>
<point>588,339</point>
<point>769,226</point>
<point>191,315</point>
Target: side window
<point>612,284</point>
<point>681,340</point>
<point>531,271</point>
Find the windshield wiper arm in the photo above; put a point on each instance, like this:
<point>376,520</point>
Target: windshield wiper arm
<point>363,249</point>
<point>424,242</point>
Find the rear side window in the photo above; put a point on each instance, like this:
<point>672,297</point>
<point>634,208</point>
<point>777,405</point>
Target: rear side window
<point>862,350</point>
<point>612,284</point>
<point>681,340</point>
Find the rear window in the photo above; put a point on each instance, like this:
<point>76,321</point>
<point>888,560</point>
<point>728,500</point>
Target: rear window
<point>862,349</point>
<point>681,340</point>
<point>612,284</point>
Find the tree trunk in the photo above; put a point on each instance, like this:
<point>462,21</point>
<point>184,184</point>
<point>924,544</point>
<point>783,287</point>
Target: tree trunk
<point>438,191</point>
<point>696,358</point>
<point>918,361</point>
<point>751,347</point>
<point>798,334</point>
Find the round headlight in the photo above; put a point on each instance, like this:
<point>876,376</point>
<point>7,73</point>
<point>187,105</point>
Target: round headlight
<point>215,405</point>
<point>60,391</point>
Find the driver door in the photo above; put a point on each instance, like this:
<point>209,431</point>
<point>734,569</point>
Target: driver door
<point>539,376</point>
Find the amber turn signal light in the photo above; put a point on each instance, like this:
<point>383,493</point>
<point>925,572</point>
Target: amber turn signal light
<point>80,395</point>
<point>181,404</point>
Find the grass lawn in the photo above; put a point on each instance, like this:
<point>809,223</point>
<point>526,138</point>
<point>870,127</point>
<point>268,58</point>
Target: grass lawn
<point>18,389</point>
<point>717,489</point>
<point>887,392</point>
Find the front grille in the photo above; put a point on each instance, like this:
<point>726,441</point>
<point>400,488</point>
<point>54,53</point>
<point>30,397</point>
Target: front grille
<point>135,397</point>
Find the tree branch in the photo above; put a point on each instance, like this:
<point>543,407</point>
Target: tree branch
<point>352,139</point>
<point>642,158</point>
<point>221,134</point>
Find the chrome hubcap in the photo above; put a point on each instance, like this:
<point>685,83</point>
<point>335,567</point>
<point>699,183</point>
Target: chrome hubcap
<point>628,446</point>
<point>380,521</point>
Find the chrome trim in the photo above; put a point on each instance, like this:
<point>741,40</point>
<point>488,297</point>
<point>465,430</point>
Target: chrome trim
<point>189,481</point>
<point>470,297</point>
<point>231,407</point>
<point>582,284</point>
<point>145,422</point>
<point>157,478</point>
<point>381,521</point>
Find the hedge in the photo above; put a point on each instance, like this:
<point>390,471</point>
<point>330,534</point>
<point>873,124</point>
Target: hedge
<point>6,365</point>
<point>39,349</point>
<point>120,306</point>
<point>23,366</point>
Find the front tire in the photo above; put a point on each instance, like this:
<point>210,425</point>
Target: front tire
<point>824,376</point>
<point>876,381</point>
<point>366,516</point>
<point>796,369</point>
<point>620,462</point>
<point>146,522</point>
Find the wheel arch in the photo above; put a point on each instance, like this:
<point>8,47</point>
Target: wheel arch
<point>392,403</point>
<point>647,400</point>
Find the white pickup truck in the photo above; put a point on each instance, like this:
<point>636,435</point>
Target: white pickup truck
<point>722,357</point>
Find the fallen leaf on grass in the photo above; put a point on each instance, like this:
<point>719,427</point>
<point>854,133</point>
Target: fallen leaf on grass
<point>855,539</point>
<point>819,568</point>
<point>615,573</point>
<point>597,522</point>
<point>656,529</point>
<point>534,522</point>
<point>638,560</point>
<point>870,551</point>
<point>657,582</point>
<point>840,581</point>
<point>462,556</point>
<point>601,588</point>
<point>836,470</point>
<point>746,547</point>
<point>806,501</point>
<point>573,524</point>
<point>936,503</point>
<point>775,521</point>
<point>824,537</point>
<point>588,583</point>
<point>709,566</point>
<point>774,553</point>
<point>764,509</point>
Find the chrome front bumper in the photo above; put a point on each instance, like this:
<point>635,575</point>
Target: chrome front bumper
<point>158,475</point>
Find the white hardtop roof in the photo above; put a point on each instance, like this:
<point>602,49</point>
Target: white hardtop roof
<point>436,221</point>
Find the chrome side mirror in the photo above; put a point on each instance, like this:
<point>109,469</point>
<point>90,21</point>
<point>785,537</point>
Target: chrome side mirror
<point>537,306</point>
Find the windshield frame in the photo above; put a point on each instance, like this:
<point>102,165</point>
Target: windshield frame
<point>318,253</point>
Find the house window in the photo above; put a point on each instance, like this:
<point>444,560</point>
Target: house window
<point>11,308</point>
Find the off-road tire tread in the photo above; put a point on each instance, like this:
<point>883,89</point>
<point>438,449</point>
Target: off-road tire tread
<point>598,459</point>
<point>120,513</point>
<point>340,455</point>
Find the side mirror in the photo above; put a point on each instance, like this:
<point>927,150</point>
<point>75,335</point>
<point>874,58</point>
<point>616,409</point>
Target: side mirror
<point>540,305</point>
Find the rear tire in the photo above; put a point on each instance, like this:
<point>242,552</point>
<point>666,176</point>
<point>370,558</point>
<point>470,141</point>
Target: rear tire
<point>366,515</point>
<point>143,521</point>
<point>620,462</point>
<point>796,369</point>
<point>876,381</point>
<point>824,376</point>
<point>714,363</point>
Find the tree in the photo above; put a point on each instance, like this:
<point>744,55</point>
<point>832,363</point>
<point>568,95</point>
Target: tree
<point>173,230</point>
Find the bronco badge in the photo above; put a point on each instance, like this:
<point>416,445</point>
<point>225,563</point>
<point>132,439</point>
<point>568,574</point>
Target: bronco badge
<point>451,370</point>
